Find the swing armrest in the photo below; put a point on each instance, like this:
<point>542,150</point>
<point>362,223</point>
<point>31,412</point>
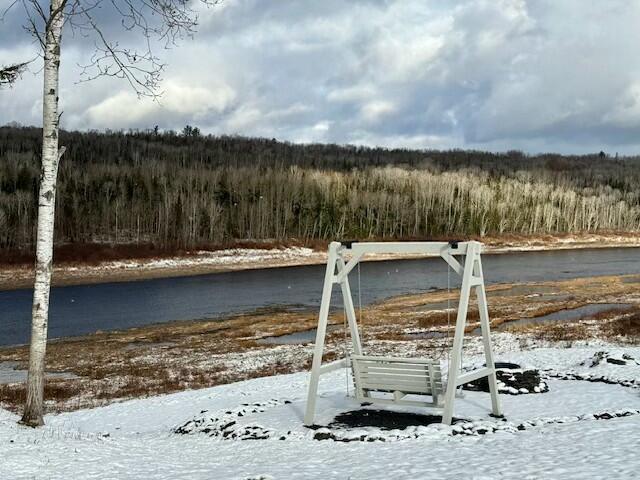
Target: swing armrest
<point>335,365</point>
<point>471,376</point>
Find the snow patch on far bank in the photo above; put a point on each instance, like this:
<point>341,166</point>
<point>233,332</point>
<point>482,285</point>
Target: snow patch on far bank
<point>232,256</point>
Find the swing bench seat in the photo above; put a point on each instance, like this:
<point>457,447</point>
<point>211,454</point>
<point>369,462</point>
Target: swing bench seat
<point>399,377</point>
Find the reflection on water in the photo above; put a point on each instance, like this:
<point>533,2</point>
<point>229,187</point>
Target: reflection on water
<point>9,373</point>
<point>306,336</point>
<point>568,315</point>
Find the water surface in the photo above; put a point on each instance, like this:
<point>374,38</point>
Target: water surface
<point>77,310</point>
<point>567,315</point>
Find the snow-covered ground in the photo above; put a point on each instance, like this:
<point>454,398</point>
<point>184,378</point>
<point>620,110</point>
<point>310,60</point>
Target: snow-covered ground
<point>564,433</point>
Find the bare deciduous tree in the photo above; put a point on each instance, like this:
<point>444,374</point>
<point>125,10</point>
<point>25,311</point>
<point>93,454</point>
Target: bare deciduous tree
<point>185,192</point>
<point>155,21</point>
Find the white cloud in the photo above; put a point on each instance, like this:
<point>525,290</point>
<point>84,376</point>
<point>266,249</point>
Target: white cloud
<point>354,93</point>
<point>626,108</point>
<point>243,118</point>
<point>322,127</point>
<point>374,111</point>
<point>178,99</point>
<point>403,141</point>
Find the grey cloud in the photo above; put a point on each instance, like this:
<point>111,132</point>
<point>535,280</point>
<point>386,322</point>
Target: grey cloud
<point>490,74</point>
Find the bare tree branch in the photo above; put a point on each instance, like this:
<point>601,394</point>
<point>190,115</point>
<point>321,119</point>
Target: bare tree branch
<point>33,10</point>
<point>156,20</point>
<point>141,68</point>
<point>6,10</point>
<point>160,23</point>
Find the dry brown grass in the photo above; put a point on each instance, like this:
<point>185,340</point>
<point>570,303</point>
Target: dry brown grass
<point>627,326</point>
<point>156,359</point>
<point>94,253</point>
<point>14,395</point>
<point>554,332</point>
<point>613,324</point>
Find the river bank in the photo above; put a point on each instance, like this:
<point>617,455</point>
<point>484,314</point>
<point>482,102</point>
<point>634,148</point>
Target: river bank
<point>233,259</point>
<point>104,367</point>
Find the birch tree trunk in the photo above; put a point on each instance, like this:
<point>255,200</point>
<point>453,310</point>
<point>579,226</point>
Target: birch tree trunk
<point>33,412</point>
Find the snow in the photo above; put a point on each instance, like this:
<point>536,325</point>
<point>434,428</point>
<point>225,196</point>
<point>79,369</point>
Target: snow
<point>195,262</point>
<point>232,256</point>
<point>560,436</point>
<point>561,242</point>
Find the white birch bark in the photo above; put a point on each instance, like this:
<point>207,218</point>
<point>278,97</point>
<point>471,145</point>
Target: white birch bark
<point>33,412</point>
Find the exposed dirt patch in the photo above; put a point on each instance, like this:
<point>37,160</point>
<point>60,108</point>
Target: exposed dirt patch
<point>342,432</point>
<point>384,419</point>
<point>512,382</point>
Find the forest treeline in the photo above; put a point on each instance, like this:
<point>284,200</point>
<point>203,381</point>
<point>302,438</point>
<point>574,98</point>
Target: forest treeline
<point>188,191</point>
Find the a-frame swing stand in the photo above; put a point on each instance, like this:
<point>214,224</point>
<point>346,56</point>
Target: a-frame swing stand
<point>403,376</point>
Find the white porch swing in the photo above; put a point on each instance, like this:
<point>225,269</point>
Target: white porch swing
<point>404,376</point>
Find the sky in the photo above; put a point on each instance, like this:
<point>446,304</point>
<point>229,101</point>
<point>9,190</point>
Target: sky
<point>538,76</point>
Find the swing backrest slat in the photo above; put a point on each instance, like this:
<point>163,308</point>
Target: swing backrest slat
<point>404,375</point>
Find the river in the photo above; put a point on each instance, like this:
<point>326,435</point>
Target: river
<point>78,310</point>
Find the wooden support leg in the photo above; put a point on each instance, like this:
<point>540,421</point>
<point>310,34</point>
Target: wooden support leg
<point>350,310</point>
<point>486,339</point>
<point>321,332</point>
<point>456,353</point>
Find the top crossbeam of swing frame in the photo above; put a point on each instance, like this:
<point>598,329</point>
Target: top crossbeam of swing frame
<point>472,277</point>
<point>446,250</point>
